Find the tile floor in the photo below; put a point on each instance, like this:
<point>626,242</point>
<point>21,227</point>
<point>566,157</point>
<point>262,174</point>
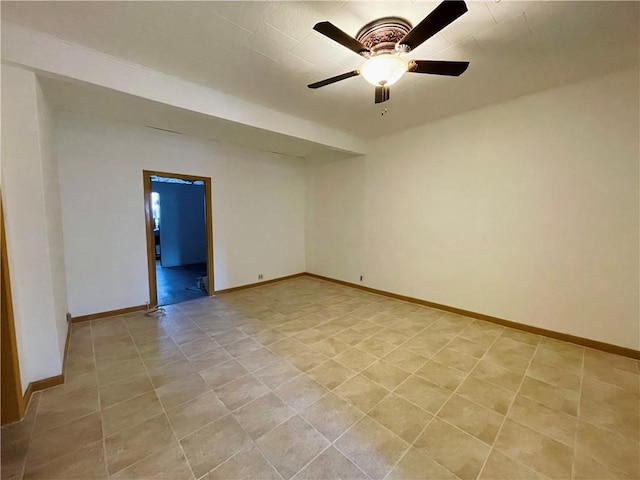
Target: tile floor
<point>178,284</point>
<point>307,379</point>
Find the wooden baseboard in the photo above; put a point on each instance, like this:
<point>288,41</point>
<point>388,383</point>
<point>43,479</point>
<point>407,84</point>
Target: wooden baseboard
<point>41,385</point>
<point>110,313</point>
<point>565,337</point>
<point>259,284</point>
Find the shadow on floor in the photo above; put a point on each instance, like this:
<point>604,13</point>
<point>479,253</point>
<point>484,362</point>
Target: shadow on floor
<point>178,284</point>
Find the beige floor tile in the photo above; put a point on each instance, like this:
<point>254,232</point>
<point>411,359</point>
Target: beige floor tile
<point>170,373</point>
<point>587,468</point>
<point>56,442</point>
<point>268,337</point>
<point>330,347</point>
<point>331,415</point>
<point>241,391</point>
<point>330,374</point>
<point>262,415</point>
<point>554,376</point>
<point>417,466</point>
<point>467,347</point>
<point>376,347</point>
<point>86,462</point>
<point>300,392</point>
<point>245,465</point>
<point>68,402</point>
<point>200,345</point>
<point>350,336</point>
<point>130,412</point>
<point>499,466</point>
<point>229,336</point>
<point>459,452</point>
<point>386,374</point>
<point>287,347</point>
<point>307,359</point>
<point>309,336</point>
<point>425,346</point>
<point>277,373</point>
<point>167,463</point>
<point>502,377</point>
<point>196,413</point>
<point>513,347</point>
<point>24,428</point>
<point>210,358</point>
<point>257,359</point>
<point>443,375</point>
<point>181,391</point>
<point>479,335</point>
<point>369,328</point>
<point>613,451</point>
<point>452,358</point>
<point>291,446</point>
<point>331,464</point>
<point>133,444</point>
<point>558,359</point>
<point>520,336</point>
<point>620,378</point>
<point>224,373</point>
<point>534,449</point>
<point>553,423</point>
<point>491,396</point>
<point>401,417</point>
<point>124,390</point>
<point>361,392</point>
<point>405,359</point>
<point>611,417</point>
<point>208,447</point>
<point>13,454</point>
<point>423,393</point>
<point>356,360</point>
<point>510,361</point>
<point>553,397</point>
<point>595,358</point>
<point>594,390</point>
<point>242,347</point>
<point>373,448</point>
<point>473,418</point>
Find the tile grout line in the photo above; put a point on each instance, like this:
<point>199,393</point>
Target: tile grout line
<point>104,442</point>
<point>506,415</point>
<point>164,412</point>
<point>575,434</point>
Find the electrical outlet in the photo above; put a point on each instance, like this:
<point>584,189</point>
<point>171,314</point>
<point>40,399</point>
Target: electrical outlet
<point>361,277</point>
<point>260,276</point>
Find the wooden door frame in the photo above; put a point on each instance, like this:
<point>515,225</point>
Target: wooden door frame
<point>148,213</point>
<point>12,399</point>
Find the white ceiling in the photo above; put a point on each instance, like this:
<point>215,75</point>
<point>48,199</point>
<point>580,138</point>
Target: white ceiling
<point>266,52</point>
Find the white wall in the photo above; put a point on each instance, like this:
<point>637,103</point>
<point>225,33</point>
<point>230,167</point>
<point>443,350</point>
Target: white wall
<point>31,204</point>
<point>526,210</point>
<point>258,208</point>
<point>183,236</point>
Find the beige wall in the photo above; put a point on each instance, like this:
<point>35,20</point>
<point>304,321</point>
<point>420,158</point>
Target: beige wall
<point>526,210</point>
<point>34,246</point>
<point>258,208</point>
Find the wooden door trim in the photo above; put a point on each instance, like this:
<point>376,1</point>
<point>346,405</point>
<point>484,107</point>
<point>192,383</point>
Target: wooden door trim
<point>11,386</point>
<point>148,213</point>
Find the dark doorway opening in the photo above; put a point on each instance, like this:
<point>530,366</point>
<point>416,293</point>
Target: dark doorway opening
<point>179,240</point>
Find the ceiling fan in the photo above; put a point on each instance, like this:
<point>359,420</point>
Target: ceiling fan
<point>383,41</point>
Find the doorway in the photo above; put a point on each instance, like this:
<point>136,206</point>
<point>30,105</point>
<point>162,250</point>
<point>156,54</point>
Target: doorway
<point>179,237</point>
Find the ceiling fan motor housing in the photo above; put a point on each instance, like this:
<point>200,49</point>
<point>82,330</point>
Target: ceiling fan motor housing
<point>382,35</point>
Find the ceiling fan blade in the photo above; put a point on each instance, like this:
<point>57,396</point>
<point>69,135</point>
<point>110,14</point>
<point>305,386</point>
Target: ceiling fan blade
<point>435,67</point>
<point>335,79</point>
<point>382,94</point>
<point>443,15</point>
<point>329,30</point>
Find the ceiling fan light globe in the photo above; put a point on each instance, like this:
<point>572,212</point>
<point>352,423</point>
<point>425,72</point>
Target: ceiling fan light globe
<point>385,69</point>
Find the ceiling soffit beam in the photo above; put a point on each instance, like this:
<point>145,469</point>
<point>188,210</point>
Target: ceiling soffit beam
<point>47,54</point>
